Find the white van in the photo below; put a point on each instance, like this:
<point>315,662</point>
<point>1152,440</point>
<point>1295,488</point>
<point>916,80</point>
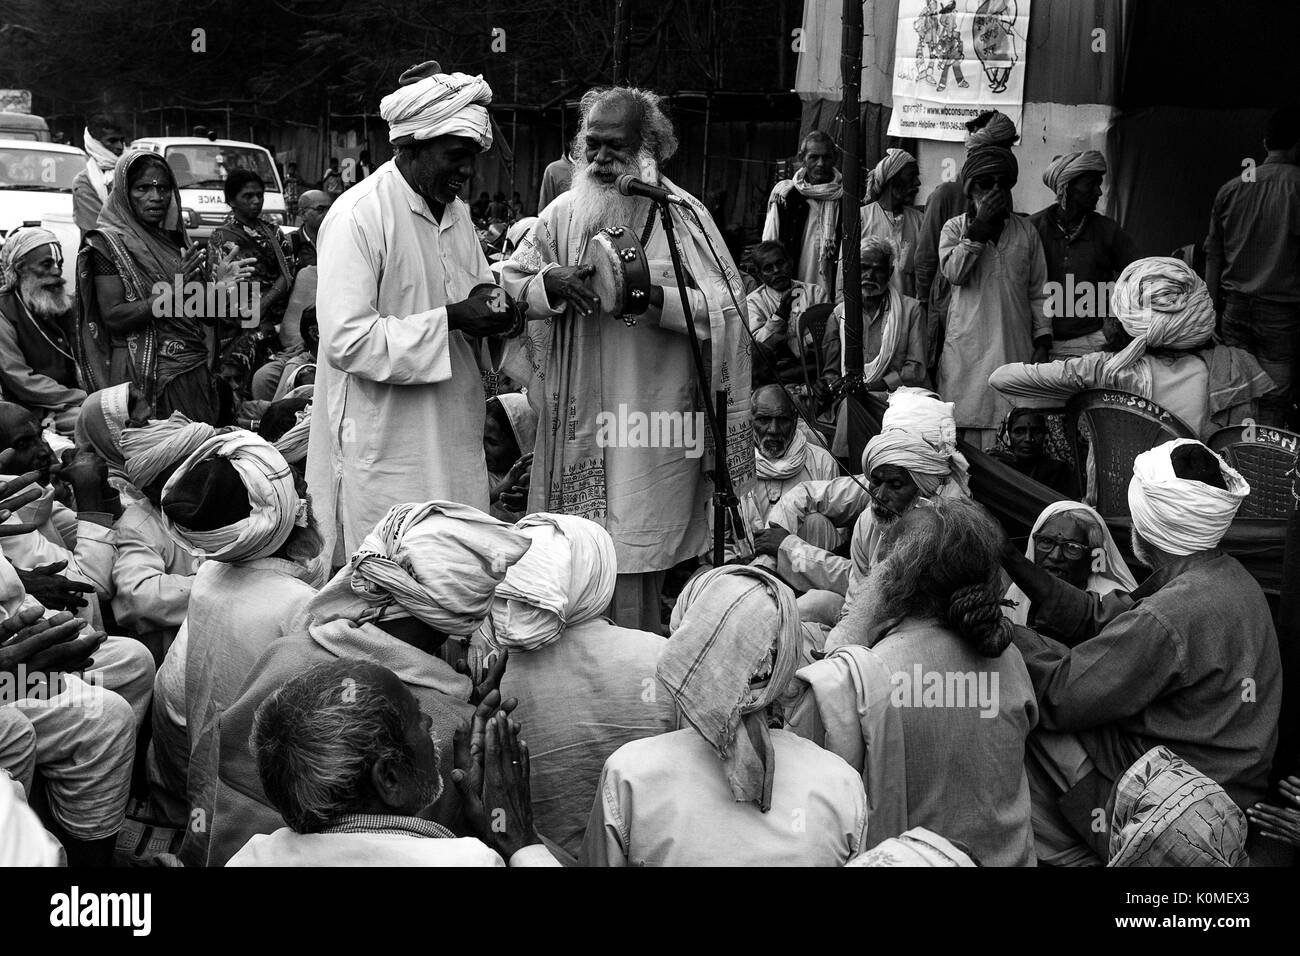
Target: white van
<point>36,187</point>
<point>200,166</point>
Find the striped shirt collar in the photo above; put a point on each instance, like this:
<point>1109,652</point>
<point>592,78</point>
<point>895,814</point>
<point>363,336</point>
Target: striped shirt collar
<point>389,823</point>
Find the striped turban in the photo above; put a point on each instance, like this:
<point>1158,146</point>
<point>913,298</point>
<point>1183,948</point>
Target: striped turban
<point>1162,303</point>
<point>1063,170</point>
<point>565,579</point>
<point>429,103</point>
<point>151,450</point>
<point>201,500</point>
<point>999,129</point>
<point>891,164</point>
<point>438,561</point>
<point>19,243</point>
<point>989,161</point>
<point>1181,515</point>
<point>918,433</point>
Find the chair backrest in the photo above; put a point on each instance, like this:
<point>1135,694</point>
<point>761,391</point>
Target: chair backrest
<point>1267,459</point>
<point>1116,427</point>
<point>812,322</point>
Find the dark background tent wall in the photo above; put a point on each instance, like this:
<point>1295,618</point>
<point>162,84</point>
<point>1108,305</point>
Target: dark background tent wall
<point>1187,84</point>
<point>1200,79</point>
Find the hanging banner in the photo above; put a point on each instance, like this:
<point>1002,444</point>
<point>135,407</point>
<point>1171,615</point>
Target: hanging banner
<point>953,60</point>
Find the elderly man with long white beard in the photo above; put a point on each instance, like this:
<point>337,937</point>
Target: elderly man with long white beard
<point>1188,660</point>
<point>404,291</point>
<point>584,366</point>
<point>37,369</point>
<point>914,458</point>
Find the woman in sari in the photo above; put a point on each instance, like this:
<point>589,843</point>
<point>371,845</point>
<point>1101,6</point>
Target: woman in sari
<point>131,274</point>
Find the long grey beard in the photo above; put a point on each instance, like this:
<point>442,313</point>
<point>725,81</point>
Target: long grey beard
<point>597,206</point>
<point>41,301</point>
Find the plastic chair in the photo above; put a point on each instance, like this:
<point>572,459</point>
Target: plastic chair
<point>1267,459</point>
<point>1118,426</point>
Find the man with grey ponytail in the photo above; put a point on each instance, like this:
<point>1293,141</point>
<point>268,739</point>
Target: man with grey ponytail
<point>932,611</point>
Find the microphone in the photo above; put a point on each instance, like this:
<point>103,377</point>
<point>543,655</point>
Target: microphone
<point>629,185</point>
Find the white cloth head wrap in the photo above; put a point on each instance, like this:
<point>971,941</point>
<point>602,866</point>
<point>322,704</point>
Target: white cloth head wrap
<point>431,103</point>
<point>269,482</point>
<point>1180,515</point>
<point>438,561</point>
<point>918,432</point>
<point>293,443</point>
<point>151,450</point>
<point>565,579</point>
<point>890,165</point>
<point>1063,170</point>
<point>915,847</point>
<point>1162,303</point>
<point>100,164</point>
<point>1113,575</point>
<point>21,242</point>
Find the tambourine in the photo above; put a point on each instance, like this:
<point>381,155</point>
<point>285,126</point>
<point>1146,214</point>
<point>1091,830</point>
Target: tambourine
<point>622,276</point>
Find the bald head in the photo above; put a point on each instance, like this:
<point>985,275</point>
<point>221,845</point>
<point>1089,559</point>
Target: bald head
<point>312,206</point>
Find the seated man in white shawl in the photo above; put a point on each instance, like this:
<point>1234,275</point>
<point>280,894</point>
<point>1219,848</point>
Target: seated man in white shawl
<point>426,572</point>
<point>153,574</point>
<point>1124,671</point>
<point>1161,345</point>
<point>585,686</point>
<point>579,361</point>
<point>237,504</point>
<point>914,457</point>
<point>727,790</point>
<point>1072,542</point>
<point>357,777</point>
<point>784,458</point>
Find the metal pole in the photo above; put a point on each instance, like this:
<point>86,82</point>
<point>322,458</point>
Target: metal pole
<point>622,42</point>
<point>850,217</point>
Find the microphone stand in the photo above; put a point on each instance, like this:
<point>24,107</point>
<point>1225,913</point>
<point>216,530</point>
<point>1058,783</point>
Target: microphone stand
<point>725,502</point>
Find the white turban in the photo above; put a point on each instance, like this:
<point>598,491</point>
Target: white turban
<point>431,103</point>
<point>915,847</point>
<point>918,432</point>
<point>21,242</point>
<point>438,561</point>
<point>272,495</point>
<point>1180,515</point>
<point>565,579</point>
<point>151,450</point>
<point>1063,170</point>
<point>1162,303</point>
<point>891,164</point>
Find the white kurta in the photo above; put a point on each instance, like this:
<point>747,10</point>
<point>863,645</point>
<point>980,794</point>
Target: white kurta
<point>997,309</point>
<point>639,481</point>
<point>398,413</point>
